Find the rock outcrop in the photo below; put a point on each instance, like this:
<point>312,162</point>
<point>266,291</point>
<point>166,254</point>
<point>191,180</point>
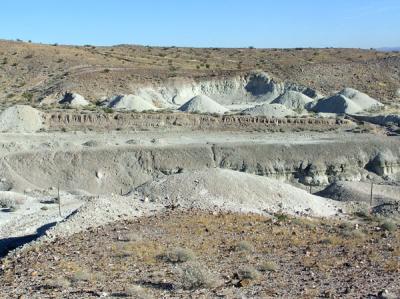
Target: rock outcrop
<point>182,121</point>
<point>73,100</point>
<point>21,119</point>
<point>106,170</point>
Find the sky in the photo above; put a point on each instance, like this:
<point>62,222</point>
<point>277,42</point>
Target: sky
<point>205,23</point>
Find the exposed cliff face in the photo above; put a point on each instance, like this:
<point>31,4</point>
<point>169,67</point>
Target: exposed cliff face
<point>140,121</point>
<point>251,88</point>
<point>112,169</point>
<point>386,163</point>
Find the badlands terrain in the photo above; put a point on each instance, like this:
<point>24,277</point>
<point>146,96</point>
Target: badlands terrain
<point>165,172</point>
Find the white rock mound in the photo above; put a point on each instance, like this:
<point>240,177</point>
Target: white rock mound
<point>21,119</point>
<point>361,99</point>
<point>203,104</point>
<point>336,104</point>
<point>73,100</point>
<point>348,101</point>
<point>235,191</point>
<point>130,102</point>
<point>293,100</point>
<point>269,110</point>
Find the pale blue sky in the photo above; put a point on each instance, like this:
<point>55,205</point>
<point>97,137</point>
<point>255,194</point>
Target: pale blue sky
<point>205,23</point>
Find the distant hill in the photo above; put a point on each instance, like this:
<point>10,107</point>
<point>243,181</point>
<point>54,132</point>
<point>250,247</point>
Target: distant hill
<point>30,72</point>
<point>388,49</point>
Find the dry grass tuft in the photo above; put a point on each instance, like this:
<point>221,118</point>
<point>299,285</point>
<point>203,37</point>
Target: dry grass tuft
<point>177,255</point>
<point>244,246</point>
<point>195,276</point>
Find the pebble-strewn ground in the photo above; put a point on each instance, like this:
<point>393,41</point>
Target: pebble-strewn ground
<point>202,255</point>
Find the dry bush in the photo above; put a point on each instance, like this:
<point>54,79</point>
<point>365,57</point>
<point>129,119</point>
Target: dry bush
<point>243,246</point>
<point>136,292</point>
<point>81,275</point>
<point>58,283</point>
<point>130,237</point>
<point>195,276</point>
<point>7,202</point>
<point>388,225</point>
<point>353,233</point>
<point>177,255</point>
<point>145,251</point>
<point>248,273</point>
<point>268,266</point>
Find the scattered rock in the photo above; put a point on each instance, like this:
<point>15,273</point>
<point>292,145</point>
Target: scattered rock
<point>385,294</point>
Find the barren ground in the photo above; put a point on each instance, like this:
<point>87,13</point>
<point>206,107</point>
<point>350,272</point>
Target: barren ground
<point>29,72</point>
<point>246,255</point>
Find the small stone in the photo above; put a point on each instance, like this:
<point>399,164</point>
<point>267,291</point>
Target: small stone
<point>99,175</point>
<point>385,294</point>
<point>244,283</point>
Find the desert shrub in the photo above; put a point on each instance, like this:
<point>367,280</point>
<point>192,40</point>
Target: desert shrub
<point>58,283</point>
<point>248,273</point>
<point>362,213</point>
<point>108,110</point>
<point>81,275</point>
<point>130,237</point>
<point>177,255</point>
<point>281,217</point>
<point>268,266</point>
<point>243,246</point>
<point>10,203</point>
<point>349,232</point>
<point>195,276</point>
<point>137,292</point>
<point>388,226</point>
<point>299,110</point>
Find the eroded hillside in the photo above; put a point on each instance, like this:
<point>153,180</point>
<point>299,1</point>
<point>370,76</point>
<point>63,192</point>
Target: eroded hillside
<point>30,72</point>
